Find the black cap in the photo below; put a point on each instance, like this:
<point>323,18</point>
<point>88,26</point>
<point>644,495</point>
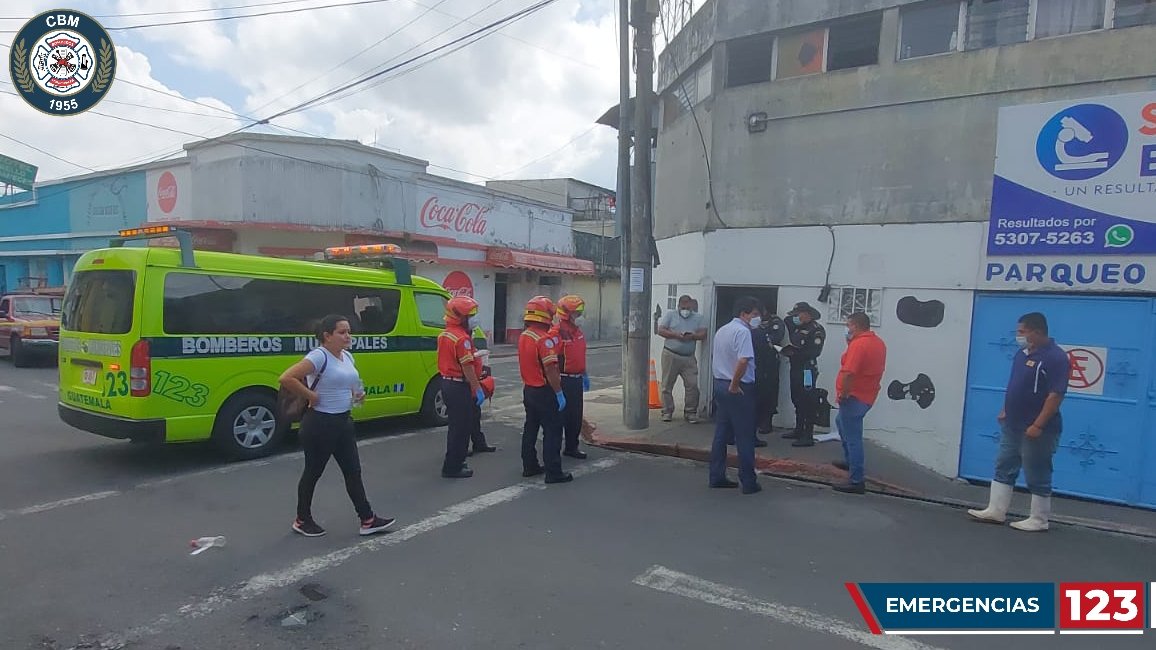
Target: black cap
<point>805,307</point>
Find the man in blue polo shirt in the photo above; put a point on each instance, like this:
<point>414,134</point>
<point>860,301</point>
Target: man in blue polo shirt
<point>733,367</point>
<point>1030,424</point>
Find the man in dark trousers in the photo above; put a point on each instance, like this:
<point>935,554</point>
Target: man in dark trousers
<point>732,367</point>
<point>461,371</point>
<point>542,393</point>
<point>767,333</point>
<point>807,337</point>
<point>572,363</point>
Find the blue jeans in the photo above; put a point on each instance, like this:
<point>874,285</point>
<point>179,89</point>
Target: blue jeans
<point>849,421</point>
<point>734,417</point>
<point>1017,450</point>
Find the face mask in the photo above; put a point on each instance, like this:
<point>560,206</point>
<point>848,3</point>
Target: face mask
<point>1022,341</point>
<point>756,321</point>
<point>579,319</point>
<point>796,320</point>
<point>849,334</point>
<point>473,322</point>
<point>685,313</point>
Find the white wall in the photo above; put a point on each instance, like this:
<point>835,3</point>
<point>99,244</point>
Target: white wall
<point>483,281</point>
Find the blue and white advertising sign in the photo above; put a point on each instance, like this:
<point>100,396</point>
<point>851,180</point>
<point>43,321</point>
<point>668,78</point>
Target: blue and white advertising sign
<point>1076,178</point>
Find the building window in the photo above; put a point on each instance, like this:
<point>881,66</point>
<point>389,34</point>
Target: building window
<point>848,300</point>
<point>691,91</point>
<point>991,23</point>
<point>801,53</point>
<point>671,297</point>
<point>1132,13</point>
<point>1060,17</point>
<point>929,29</point>
<point>749,60</point>
<point>854,43</point>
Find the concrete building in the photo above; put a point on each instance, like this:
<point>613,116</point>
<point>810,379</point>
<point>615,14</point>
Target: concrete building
<point>595,239</point>
<point>846,153</point>
<point>293,197</point>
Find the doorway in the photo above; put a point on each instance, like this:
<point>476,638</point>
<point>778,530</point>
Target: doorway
<point>501,295</point>
<point>725,298</point>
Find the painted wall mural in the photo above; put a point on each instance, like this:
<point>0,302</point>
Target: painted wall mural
<point>921,390</point>
<point>917,313</point>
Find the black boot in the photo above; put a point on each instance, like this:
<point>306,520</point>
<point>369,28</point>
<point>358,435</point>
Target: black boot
<point>799,428</point>
<point>807,437</point>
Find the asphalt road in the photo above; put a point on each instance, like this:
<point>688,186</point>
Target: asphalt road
<point>636,553</point>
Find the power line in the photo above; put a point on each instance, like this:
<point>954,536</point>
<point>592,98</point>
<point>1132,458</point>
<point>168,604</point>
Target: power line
<point>543,157</point>
<point>215,19</point>
<point>34,148</point>
<point>180,11</point>
<point>487,28</point>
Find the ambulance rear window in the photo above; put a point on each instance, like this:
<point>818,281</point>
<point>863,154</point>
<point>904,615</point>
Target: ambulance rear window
<point>99,302</point>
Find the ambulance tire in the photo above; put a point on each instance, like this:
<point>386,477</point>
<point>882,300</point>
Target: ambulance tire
<point>256,407</point>
<point>434,411</point>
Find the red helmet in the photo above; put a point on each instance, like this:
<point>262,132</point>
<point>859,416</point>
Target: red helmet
<point>539,309</point>
<point>571,307</point>
<point>459,309</point>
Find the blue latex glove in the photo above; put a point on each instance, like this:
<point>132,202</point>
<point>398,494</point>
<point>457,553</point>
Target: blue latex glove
<point>480,396</point>
<point>585,382</point>
<point>561,400</point>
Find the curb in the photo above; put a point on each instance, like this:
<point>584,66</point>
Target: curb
<point>827,475</point>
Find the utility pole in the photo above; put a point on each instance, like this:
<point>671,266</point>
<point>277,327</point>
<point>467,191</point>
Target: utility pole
<point>622,199</point>
<point>636,410</point>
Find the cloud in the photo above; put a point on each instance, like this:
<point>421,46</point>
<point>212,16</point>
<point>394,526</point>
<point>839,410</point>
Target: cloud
<point>490,108</point>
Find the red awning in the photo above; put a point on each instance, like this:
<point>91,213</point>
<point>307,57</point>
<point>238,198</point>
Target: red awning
<point>546,263</point>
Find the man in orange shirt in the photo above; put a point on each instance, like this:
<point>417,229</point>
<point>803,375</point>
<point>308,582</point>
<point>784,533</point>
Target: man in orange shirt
<point>542,392</point>
<point>572,364</point>
<point>856,387</point>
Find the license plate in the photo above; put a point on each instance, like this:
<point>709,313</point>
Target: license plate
<point>90,376</point>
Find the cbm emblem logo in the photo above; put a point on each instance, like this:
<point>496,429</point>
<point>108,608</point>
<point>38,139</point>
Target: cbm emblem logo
<point>62,62</point>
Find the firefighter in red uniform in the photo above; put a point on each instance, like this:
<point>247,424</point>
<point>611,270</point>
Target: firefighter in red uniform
<point>572,365</point>
<point>461,387</point>
<point>542,393</point>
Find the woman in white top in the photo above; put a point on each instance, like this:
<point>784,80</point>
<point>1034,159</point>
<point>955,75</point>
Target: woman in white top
<point>328,378</point>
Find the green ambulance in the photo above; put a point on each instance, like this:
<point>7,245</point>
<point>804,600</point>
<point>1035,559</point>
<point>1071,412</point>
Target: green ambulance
<point>161,344</point>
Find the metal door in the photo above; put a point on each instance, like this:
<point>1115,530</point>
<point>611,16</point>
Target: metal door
<point>1107,449</point>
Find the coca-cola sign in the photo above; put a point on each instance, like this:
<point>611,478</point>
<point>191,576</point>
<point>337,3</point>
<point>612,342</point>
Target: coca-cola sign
<point>167,192</point>
<point>466,218</point>
<point>459,284</point>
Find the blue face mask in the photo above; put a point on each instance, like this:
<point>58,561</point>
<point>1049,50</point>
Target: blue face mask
<point>848,334</point>
<point>796,320</point>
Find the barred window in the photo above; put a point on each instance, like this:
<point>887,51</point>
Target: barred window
<point>671,297</point>
<point>848,300</point>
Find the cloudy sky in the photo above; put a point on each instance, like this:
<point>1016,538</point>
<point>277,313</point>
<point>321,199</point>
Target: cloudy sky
<point>518,104</point>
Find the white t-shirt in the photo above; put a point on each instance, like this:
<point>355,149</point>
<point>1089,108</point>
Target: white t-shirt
<point>340,379</point>
<point>731,343</point>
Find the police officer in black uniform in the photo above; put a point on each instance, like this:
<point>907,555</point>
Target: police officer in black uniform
<point>806,337</point>
<point>769,333</point>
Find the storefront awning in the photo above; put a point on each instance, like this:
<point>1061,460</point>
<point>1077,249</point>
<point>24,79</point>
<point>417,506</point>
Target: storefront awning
<point>542,262</point>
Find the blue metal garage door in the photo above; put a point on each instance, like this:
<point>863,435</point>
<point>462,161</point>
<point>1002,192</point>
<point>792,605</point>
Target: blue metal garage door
<point>1108,447</point>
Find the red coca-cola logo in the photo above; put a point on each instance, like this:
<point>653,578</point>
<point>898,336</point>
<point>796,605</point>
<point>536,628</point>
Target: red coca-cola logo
<point>465,218</point>
<point>459,284</point>
<point>167,192</point>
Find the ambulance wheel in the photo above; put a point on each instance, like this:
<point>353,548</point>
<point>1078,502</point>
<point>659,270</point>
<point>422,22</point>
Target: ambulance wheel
<point>246,425</point>
<point>434,411</point>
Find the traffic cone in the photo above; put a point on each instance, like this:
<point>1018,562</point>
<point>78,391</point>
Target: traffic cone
<point>655,400</point>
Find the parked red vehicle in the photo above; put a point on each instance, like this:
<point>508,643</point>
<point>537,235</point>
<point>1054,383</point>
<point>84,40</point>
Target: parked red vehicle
<point>30,325</point>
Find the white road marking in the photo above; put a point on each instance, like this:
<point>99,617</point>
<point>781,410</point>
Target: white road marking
<point>53,505</point>
<point>309,567</point>
<point>19,393</point>
<point>49,384</point>
<point>227,469</point>
<point>669,581</point>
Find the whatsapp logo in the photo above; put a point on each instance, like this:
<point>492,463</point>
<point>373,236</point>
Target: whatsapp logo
<point>1119,236</point>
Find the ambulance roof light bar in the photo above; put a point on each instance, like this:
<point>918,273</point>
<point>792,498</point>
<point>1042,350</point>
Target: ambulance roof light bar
<point>183,237</point>
<point>376,254</point>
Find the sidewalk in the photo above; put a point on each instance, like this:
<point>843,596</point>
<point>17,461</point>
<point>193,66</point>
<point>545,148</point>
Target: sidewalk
<point>505,350</point>
<point>887,472</point>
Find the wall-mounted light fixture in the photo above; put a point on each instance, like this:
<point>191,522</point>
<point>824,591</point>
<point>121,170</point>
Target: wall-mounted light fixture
<point>757,122</point>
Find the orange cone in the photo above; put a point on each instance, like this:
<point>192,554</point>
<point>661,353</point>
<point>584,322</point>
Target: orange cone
<point>655,400</point>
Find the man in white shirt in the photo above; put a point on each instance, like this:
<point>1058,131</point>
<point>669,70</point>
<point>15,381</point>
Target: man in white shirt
<point>733,366</point>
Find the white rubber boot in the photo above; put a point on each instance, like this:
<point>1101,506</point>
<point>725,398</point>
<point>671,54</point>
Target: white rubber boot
<point>1037,522</point>
<point>997,505</point>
